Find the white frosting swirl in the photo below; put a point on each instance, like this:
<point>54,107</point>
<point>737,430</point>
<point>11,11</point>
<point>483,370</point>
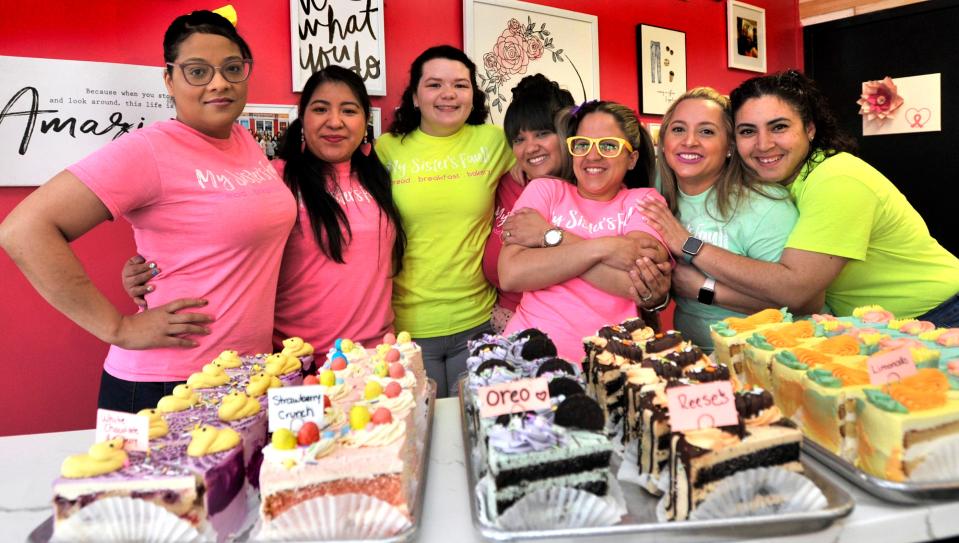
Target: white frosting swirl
<point>378,436</point>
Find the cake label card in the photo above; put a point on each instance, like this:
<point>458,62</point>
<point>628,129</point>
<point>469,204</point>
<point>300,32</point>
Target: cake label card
<point>290,407</point>
<point>890,367</point>
<point>701,406</point>
<point>133,428</point>
<point>514,397</point>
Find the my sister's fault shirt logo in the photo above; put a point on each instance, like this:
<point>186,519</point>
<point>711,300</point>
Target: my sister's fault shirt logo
<point>451,167</point>
<point>229,180</point>
<point>613,224</point>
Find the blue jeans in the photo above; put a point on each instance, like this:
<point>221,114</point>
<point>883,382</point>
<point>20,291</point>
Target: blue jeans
<point>131,396</point>
<point>445,358</point>
<point>944,315</point>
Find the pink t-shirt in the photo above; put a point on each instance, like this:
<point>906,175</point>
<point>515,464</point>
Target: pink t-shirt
<point>573,309</point>
<point>214,215</point>
<point>507,192</point>
<point>321,300</point>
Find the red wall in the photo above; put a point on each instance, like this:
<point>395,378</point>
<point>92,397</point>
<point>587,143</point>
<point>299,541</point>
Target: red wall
<point>52,366</point>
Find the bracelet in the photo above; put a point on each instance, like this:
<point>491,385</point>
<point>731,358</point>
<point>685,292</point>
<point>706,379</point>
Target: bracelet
<point>661,306</point>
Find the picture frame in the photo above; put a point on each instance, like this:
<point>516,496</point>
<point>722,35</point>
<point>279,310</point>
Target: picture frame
<point>662,67</point>
<point>745,36</point>
<point>343,32</point>
<point>272,119</point>
<point>510,40</point>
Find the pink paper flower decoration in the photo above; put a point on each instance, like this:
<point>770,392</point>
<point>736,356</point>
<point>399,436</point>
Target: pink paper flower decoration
<point>879,99</point>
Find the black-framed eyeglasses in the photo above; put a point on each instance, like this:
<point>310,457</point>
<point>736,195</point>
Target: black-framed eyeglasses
<point>201,73</point>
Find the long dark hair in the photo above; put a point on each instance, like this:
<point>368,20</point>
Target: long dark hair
<point>800,92</point>
<point>199,22</point>
<point>307,175</point>
<point>407,117</point>
<point>642,174</point>
<point>536,101</point>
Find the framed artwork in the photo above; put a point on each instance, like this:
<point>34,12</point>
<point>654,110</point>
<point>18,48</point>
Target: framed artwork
<point>342,32</point>
<point>375,126</point>
<point>267,119</point>
<point>662,67</point>
<point>509,40</point>
<point>745,36</point>
<point>654,131</point>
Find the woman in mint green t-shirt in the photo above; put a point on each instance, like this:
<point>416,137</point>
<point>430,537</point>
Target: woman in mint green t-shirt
<point>857,242</point>
<point>702,180</point>
<point>445,164</point>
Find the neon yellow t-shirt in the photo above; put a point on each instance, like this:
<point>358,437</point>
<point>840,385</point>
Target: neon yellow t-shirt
<point>848,209</point>
<point>443,188</point>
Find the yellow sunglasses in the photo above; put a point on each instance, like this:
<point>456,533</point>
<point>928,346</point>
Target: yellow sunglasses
<point>608,147</point>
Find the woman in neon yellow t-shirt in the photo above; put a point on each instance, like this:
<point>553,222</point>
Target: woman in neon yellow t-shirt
<point>857,242</point>
<point>445,163</point>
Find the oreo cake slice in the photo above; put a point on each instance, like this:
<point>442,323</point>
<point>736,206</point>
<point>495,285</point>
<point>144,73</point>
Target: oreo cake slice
<point>531,453</point>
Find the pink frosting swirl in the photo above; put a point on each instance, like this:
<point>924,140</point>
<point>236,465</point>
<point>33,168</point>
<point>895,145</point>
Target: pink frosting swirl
<point>949,338</point>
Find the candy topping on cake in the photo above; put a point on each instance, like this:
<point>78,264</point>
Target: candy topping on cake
<point>237,405</point>
<point>158,425</point>
<point>207,439</point>
<point>404,337</point>
<point>183,397</point>
<point>397,371</point>
<point>283,439</point>
<point>309,433</point>
<point>392,389</point>
<point>228,359</point>
<point>101,458</point>
<point>282,364</point>
<point>372,390</point>
<point>359,417</point>
<point>382,415</point>
<point>261,382</point>
<point>211,376</point>
<point>389,338</point>
<point>295,346</point>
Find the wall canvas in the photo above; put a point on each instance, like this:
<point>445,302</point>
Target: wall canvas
<point>662,67</point>
<point>509,40</point>
<point>347,33</point>
<point>921,109</point>
<point>745,36</point>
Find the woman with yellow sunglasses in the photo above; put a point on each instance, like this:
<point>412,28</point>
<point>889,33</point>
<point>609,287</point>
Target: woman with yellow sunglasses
<point>577,279</point>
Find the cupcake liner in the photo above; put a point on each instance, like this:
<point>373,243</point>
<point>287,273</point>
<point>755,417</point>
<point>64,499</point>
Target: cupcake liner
<point>554,508</point>
<point>344,516</point>
<point>941,463</point>
<point>127,519</point>
<point>759,492</point>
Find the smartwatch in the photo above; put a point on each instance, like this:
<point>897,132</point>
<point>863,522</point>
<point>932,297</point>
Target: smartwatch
<point>691,248</point>
<point>553,237</point>
<point>707,291</point>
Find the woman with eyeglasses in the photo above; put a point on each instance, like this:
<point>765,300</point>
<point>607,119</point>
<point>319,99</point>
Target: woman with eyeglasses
<point>857,242</point>
<point>703,183</point>
<point>198,191</point>
<point>444,162</point>
<point>589,216</point>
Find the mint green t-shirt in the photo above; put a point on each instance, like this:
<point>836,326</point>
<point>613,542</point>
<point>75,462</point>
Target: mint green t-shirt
<point>443,188</point>
<point>848,209</point>
<point>758,228</point>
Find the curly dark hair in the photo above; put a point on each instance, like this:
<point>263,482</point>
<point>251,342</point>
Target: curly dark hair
<point>200,22</point>
<point>800,92</point>
<point>407,118</point>
<point>640,176</point>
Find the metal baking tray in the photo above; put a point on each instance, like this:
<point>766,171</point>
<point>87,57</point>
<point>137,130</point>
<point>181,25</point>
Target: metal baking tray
<point>641,511</point>
<point>44,532</point>
<point>884,489</point>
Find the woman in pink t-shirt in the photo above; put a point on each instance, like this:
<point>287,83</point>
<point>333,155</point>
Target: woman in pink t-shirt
<point>530,129</point>
<point>336,277</point>
<point>573,281</point>
<point>197,191</point>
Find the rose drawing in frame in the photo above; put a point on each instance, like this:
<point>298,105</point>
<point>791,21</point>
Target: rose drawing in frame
<point>519,46</point>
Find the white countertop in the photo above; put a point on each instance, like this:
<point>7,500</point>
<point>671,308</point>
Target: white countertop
<point>29,463</point>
